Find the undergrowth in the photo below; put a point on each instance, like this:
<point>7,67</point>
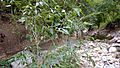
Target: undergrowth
<point>61,57</point>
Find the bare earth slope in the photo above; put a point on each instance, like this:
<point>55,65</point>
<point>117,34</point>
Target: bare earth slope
<point>11,36</point>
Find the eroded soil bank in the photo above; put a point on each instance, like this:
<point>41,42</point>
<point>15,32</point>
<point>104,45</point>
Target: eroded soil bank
<point>12,36</point>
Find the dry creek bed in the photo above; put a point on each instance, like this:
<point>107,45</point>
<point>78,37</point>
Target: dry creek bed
<point>102,52</point>
<point>99,51</point>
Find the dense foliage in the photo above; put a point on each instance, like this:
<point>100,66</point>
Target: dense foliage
<point>51,18</point>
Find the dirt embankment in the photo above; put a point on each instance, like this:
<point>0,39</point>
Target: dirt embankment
<point>12,36</point>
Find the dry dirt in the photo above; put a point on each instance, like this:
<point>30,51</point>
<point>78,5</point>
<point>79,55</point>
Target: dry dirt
<point>12,36</point>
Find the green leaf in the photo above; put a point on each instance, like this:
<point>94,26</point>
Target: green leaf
<point>51,31</point>
<point>77,10</point>
<point>64,31</point>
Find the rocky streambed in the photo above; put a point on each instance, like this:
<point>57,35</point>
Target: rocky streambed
<point>93,54</point>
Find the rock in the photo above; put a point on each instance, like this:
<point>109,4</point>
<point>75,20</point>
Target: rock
<point>118,55</point>
<point>101,34</point>
<point>117,64</point>
<point>104,58</point>
<point>104,50</point>
<point>109,66</point>
<point>112,49</point>
<point>115,40</point>
<point>17,64</point>
<point>118,41</point>
<point>23,62</point>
